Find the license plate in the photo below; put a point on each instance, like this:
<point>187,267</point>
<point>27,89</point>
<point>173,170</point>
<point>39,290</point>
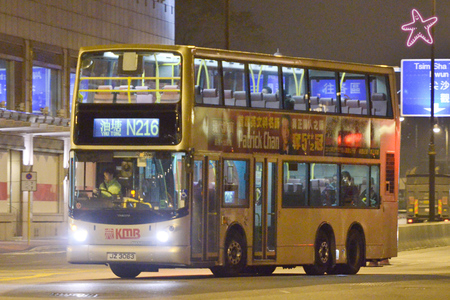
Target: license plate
<point>122,256</point>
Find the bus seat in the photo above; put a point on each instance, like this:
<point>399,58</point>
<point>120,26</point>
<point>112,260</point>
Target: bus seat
<point>379,103</point>
<point>329,108</point>
<point>326,101</point>
<point>210,96</point>
<point>122,97</point>
<point>143,97</point>
<point>198,95</point>
<point>271,101</point>
<point>314,104</point>
<point>327,104</point>
<point>170,95</point>
<point>299,102</point>
<point>257,100</point>
<point>229,100</point>
<point>378,97</point>
<point>353,107</point>
<point>228,94</point>
<point>314,100</point>
<point>104,96</point>
<point>241,98</point>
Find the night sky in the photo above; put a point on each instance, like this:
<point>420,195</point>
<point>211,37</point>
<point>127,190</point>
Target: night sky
<point>367,31</point>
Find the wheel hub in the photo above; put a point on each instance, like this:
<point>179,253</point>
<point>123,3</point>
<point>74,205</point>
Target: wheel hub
<point>234,253</point>
<point>324,252</point>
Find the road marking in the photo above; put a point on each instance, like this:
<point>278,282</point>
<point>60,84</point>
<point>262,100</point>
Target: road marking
<point>40,275</point>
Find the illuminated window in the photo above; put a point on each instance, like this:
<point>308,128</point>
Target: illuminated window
<point>234,84</point>
<point>323,91</point>
<point>323,184</point>
<point>295,88</point>
<point>235,183</point>
<point>295,191</point>
<point>46,90</point>
<point>3,83</point>
<point>207,81</point>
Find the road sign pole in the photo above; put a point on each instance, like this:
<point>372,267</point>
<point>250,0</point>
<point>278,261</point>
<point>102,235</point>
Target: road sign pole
<point>432,149</point>
<point>29,218</point>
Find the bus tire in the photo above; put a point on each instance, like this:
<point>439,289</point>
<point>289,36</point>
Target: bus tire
<point>355,253</point>
<point>322,255</point>
<point>125,271</point>
<point>235,256</point>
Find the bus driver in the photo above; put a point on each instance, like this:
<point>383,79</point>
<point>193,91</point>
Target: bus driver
<point>110,186</point>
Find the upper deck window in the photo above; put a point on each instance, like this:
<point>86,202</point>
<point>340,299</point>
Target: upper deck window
<point>207,81</point>
<point>324,91</point>
<point>295,88</point>
<point>130,77</point>
<point>234,84</point>
<point>264,86</point>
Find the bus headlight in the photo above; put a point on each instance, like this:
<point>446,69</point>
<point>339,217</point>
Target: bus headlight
<point>80,235</point>
<point>162,236</point>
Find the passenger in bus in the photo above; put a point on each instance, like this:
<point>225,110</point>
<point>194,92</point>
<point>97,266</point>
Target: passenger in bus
<point>349,192</point>
<point>110,186</point>
<point>372,195</point>
<point>266,90</point>
<point>286,135</point>
<point>329,193</point>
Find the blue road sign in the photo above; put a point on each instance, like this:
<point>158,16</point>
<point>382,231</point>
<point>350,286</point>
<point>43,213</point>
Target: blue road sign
<point>416,87</point>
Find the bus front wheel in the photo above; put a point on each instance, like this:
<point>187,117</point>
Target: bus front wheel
<point>235,257</point>
<point>125,271</point>
<point>322,255</point>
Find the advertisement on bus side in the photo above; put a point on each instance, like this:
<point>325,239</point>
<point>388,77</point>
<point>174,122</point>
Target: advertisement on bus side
<point>309,135</point>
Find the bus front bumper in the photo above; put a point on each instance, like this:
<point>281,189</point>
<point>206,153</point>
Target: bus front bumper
<point>154,255</point>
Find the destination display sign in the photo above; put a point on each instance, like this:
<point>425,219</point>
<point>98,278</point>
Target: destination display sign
<point>126,127</point>
<point>416,87</point>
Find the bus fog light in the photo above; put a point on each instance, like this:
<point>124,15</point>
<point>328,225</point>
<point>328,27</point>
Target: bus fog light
<point>162,236</point>
<point>80,235</point>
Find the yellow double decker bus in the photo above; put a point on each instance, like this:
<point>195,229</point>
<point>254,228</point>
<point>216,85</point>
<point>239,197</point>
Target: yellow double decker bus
<point>233,161</point>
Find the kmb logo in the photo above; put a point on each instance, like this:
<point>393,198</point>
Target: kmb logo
<point>122,234</point>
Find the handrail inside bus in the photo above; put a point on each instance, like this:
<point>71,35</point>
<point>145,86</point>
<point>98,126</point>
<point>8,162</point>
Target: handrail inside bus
<point>200,67</point>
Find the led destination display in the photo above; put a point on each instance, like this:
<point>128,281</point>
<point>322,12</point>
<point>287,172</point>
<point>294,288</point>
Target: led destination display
<point>126,127</point>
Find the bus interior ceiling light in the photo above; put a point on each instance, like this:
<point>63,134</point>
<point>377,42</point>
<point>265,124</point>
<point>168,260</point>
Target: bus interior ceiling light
<point>110,55</point>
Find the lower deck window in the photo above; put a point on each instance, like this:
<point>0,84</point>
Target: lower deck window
<point>330,185</point>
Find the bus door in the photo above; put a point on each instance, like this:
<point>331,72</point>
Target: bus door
<point>205,209</point>
<point>264,218</point>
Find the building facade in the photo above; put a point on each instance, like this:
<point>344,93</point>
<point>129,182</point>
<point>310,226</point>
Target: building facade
<point>39,42</point>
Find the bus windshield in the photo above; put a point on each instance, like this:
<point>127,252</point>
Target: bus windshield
<point>128,181</point>
<point>129,77</point>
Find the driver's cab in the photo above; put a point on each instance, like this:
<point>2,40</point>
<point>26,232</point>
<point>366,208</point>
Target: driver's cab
<point>147,181</point>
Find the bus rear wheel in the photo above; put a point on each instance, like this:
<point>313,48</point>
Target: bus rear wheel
<point>355,253</point>
<point>125,271</point>
<point>322,255</point>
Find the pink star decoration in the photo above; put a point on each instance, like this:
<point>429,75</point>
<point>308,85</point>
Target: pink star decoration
<point>419,28</point>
